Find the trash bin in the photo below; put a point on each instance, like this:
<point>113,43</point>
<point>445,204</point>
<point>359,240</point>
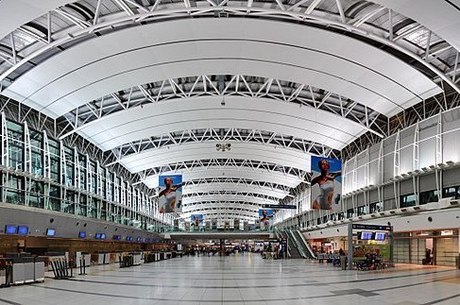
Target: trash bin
<point>343,262</point>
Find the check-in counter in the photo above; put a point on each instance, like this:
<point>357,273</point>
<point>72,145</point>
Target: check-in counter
<point>82,258</point>
<point>103,258</point>
<point>2,277</point>
<point>39,269</point>
<point>137,258</point>
<point>18,276</point>
<point>27,270</point>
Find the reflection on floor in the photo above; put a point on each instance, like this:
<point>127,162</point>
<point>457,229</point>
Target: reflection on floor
<point>244,279</point>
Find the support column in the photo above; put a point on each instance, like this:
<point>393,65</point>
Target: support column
<point>350,246</point>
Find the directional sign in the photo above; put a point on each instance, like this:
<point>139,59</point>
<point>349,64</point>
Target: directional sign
<point>279,206</point>
<point>371,227</point>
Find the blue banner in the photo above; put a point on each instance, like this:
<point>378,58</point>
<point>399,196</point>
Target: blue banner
<point>196,219</point>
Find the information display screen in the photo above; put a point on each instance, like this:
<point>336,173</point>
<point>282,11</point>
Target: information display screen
<point>23,230</point>
<point>82,234</point>
<point>10,229</point>
<point>380,236</point>
<point>50,232</point>
<point>365,235</point>
<point>100,236</point>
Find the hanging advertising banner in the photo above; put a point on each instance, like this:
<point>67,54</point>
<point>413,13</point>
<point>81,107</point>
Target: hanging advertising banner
<point>220,224</point>
<point>266,218</point>
<point>170,193</point>
<point>326,184</point>
<point>196,220</point>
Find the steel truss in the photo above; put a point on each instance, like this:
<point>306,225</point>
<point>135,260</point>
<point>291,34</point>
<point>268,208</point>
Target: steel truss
<point>231,205</point>
<point>428,108</point>
<point>228,194</point>
<point>220,204</point>
<point>220,163</point>
<point>28,45</point>
<point>227,215</point>
<point>220,135</point>
<point>238,181</point>
<point>222,86</point>
<point>222,207</point>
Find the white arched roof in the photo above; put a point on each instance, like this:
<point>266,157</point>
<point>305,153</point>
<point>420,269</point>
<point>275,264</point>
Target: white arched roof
<point>223,198</point>
<point>202,112</point>
<point>355,59</point>
<point>321,58</point>
<point>214,187</point>
<point>14,13</point>
<point>441,17</point>
<point>207,150</point>
<point>229,172</point>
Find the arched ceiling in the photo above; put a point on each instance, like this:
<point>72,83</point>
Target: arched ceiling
<point>160,83</point>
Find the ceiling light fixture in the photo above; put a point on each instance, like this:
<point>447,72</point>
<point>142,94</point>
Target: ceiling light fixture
<point>223,146</point>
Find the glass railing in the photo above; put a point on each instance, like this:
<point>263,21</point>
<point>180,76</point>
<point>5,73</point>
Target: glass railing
<point>226,230</point>
<point>305,244</point>
<point>297,244</point>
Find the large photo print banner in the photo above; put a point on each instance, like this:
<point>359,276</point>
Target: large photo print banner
<point>170,193</point>
<point>326,184</point>
<point>196,220</point>
<point>266,218</point>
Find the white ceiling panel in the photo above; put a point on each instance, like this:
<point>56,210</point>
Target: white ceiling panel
<point>221,198</point>
<point>14,13</point>
<point>203,112</point>
<point>229,172</point>
<point>207,150</point>
<point>211,46</point>
<point>220,205</point>
<point>239,187</point>
<point>442,17</point>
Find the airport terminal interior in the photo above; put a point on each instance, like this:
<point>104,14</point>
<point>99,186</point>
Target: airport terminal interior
<point>230,152</point>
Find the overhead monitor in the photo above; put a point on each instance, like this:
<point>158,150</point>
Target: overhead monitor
<point>380,236</point>
<point>82,234</point>
<point>366,235</point>
<point>23,230</point>
<point>50,232</point>
<point>11,229</point>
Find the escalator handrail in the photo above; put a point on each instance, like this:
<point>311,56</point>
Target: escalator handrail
<point>307,245</point>
<point>297,244</point>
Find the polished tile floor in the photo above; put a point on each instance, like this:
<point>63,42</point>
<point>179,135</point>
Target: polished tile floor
<point>244,279</point>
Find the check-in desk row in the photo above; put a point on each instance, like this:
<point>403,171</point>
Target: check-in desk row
<point>21,270</point>
<point>150,257</point>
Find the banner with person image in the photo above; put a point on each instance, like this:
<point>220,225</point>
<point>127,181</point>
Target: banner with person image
<point>266,218</point>
<point>326,183</point>
<point>196,220</point>
<point>170,193</point>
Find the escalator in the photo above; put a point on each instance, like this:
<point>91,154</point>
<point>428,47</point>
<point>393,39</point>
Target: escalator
<point>297,251</point>
<point>292,251</point>
<point>305,245</point>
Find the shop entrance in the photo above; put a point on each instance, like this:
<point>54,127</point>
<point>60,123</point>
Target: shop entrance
<point>429,250</point>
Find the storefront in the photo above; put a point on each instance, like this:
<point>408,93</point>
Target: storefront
<point>440,247</point>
